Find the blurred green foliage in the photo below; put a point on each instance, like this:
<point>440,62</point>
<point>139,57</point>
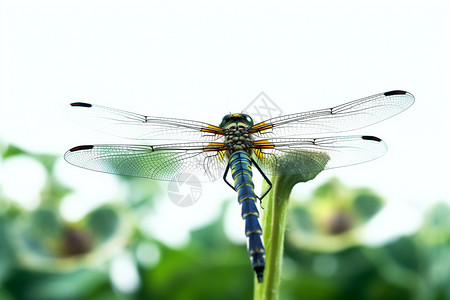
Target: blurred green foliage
<point>333,218</point>
<point>43,256</point>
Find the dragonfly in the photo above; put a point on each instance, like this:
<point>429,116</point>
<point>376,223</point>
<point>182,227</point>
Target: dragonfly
<point>277,147</point>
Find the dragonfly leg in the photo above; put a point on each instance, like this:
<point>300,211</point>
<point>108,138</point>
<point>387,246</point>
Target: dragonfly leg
<point>265,178</point>
<point>225,177</point>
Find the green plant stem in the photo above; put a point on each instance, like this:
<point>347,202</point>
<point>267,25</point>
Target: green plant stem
<point>274,226</point>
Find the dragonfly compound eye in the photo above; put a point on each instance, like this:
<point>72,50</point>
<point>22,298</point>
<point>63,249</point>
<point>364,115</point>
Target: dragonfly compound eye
<point>248,119</point>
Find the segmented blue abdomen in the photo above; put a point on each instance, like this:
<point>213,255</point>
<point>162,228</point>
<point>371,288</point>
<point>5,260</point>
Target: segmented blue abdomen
<point>241,170</point>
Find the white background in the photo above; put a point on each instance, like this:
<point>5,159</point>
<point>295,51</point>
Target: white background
<point>202,59</point>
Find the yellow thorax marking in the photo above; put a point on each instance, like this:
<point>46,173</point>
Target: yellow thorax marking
<point>260,127</point>
<point>219,147</point>
<point>213,129</point>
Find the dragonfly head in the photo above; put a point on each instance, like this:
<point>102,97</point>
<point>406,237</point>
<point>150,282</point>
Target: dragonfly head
<point>236,119</point>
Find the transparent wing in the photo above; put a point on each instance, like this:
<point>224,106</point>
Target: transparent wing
<point>135,126</point>
<point>349,116</point>
<point>285,156</point>
<point>162,162</point>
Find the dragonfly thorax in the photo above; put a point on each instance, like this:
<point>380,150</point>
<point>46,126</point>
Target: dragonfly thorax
<point>237,132</point>
<point>238,138</point>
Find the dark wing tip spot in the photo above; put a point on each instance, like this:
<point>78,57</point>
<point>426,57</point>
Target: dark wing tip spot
<point>84,147</point>
<point>395,92</point>
<point>371,138</point>
<point>81,104</point>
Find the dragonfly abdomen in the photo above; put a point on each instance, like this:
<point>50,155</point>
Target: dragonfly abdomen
<point>241,171</point>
